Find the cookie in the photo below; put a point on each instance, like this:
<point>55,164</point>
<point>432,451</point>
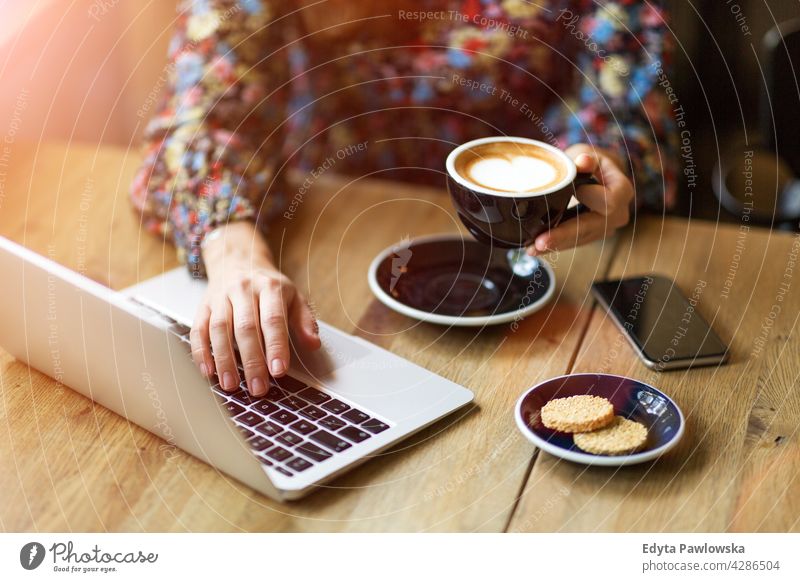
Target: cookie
<point>621,437</point>
<point>577,413</point>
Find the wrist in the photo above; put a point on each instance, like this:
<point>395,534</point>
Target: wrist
<point>235,244</point>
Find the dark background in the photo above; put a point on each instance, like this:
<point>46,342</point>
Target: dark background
<point>718,78</point>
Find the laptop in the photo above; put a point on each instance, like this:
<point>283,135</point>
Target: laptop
<point>129,351</point>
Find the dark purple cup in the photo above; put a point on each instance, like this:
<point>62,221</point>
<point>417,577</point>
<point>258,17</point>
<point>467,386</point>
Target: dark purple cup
<point>513,220</point>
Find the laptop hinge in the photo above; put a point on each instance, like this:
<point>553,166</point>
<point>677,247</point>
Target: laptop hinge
<point>173,327</point>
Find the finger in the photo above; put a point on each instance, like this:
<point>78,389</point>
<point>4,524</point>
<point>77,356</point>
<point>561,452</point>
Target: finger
<point>611,175</point>
<point>303,322</point>
<point>200,341</point>
<point>585,228</point>
<point>587,163</point>
<point>612,199</point>
<point>273,304</point>
<point>221,333</point>
<point>592,196</point>
<point>247,332</point>
<point>596,198</point>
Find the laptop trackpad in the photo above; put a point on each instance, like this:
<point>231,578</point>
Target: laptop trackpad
<point>338,350</point>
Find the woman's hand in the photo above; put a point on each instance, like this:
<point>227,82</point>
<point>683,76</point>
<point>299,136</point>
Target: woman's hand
<point>252,303</point>
<point>609,202</point>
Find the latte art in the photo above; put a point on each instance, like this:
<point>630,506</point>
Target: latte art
<point>518,174</point>
<point>511,167</point>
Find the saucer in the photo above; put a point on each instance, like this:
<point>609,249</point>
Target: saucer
<point>450,280</point>
<point>631,398</point>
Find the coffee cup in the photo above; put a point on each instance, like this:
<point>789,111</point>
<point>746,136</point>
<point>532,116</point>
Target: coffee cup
<point>509,190</point>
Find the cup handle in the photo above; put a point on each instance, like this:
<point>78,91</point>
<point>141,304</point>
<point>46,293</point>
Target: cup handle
<point>581,179</point>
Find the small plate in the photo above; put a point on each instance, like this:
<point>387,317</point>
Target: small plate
<point>450,280</point>
<point>631,398</point>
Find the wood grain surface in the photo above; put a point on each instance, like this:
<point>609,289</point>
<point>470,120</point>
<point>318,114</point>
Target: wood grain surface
<point>737,466</point>
<point>67,465</point>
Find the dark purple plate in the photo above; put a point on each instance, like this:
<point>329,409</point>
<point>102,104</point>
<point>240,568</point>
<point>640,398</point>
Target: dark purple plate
<point>631,398</point>
<point>450,280</point>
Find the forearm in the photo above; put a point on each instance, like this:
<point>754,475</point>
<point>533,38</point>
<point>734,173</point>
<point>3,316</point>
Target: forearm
<point>212,147</point>
<point>620,106</point>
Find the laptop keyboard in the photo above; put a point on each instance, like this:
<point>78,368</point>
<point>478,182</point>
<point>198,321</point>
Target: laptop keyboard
<point>296,426</point>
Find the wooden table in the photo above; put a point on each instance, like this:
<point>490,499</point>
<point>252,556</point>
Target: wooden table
<point>66,464</point>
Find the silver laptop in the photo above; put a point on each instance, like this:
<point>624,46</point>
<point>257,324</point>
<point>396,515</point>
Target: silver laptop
<point>129,352</point>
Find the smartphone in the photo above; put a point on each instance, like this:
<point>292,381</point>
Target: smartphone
<point>661,323</point>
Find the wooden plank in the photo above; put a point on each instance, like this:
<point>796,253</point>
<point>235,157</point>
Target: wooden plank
<point>737,466</point>
<point>87,469</point>
<point>71,203</point>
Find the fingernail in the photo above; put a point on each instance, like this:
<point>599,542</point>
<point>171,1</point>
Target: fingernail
<point>204,369</point>
<point>531,251</point>
<point>228,382</point>
<point>277,367</point>
<point>257,387</point>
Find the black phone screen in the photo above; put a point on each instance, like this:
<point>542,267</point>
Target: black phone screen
<point>660,320</point>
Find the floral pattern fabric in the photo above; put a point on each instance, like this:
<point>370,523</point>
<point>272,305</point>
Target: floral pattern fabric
<point>252,95</point>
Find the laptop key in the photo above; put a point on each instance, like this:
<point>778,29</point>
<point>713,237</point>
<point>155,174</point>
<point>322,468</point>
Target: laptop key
<point>233,408</point>
<point>243,397</point>
<point>374,425</point>
<point>279,454</point>
<point>246,432</point>
<point>313,413</point>
<point>269,429</point>
<point>276,393</point>
<point>335,406</point>
<point>355,416</point>
<point>259,443</point>
<point>303,427</point>
<point>265,461</point>
<point>333,423</point>
<point>289,384</point>
<point>265,407</point>
<point>249,418</point>
<point>284,416</point>
<point>354,434</point>
<point>314,396</point>
<point>298,464</point>
<point>289,439</point>
<point>284,471</point>
<point>330,441</point>
<point>293,403</point>
<point>313,452</point>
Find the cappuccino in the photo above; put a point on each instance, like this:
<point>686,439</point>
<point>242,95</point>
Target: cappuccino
<point>511,167</point>
<point>509,190</point>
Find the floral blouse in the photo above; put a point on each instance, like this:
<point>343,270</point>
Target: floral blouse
<point>250,95</point>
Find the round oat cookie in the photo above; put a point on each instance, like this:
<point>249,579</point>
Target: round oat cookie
<point>577,413</point>
<point>621,437</point>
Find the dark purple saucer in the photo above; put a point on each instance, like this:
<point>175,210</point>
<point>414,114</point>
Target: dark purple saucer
<point>631,398</point>
<point>449,280</point>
